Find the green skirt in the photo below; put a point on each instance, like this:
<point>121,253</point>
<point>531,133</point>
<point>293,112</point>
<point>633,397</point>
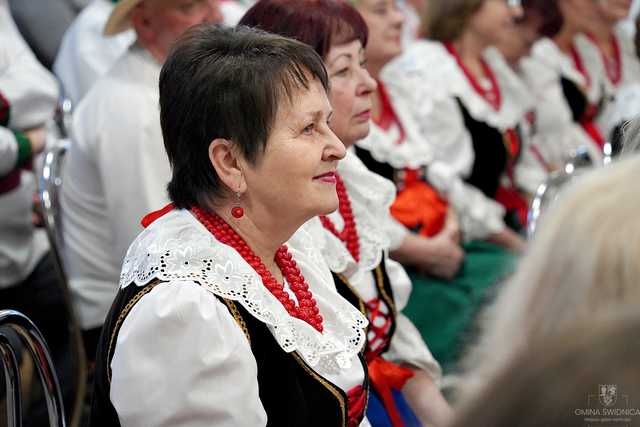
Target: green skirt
<point>444,311</point>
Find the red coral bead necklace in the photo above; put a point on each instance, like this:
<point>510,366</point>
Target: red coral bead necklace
<point>307,308</point>
<point>349,234</point>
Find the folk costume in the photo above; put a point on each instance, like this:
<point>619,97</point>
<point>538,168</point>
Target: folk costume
<point>471,128</point>
<point>196,336</point>
<point>355,242</point>
<point>567,102</point>
<point>617,72</point>
<point>442,310</point>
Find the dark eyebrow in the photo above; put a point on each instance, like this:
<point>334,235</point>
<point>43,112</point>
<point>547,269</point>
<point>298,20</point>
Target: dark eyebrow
<point>317,115</point>
<point>348,55</point>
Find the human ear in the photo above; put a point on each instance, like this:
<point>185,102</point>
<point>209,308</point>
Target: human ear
<point>226,162</point>
<point>141,22</point>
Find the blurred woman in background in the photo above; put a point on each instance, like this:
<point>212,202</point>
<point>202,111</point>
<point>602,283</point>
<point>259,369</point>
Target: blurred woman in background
<point>607,49</point>
<point>441,306</point>
<point>357,238</point>
<point>567,97</point>
<point>465,102</point>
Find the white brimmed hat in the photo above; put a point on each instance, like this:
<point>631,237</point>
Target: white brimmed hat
<point>119,20</point>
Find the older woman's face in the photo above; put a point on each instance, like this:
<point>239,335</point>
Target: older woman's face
<point>384,20</point>
<point>295,176</point>
<point>351,89</point>
<point>494,21</point>
<point>580,15</point>
<point>613,11</point>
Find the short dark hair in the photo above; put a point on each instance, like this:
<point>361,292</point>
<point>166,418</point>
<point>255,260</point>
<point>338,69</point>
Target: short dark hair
<point>318,23</point>
<point>225,83</point>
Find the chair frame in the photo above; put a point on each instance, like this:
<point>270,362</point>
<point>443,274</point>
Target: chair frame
<point>15,323</point>
<point>49,184</point>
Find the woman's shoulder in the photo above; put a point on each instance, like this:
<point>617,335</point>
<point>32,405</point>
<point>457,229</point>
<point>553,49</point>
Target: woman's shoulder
<point>177,248</point>
<point>423,64</point>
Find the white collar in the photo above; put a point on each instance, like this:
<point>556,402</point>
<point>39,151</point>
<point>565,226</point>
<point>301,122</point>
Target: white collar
<point>371,196</point>
<point>414,151</point>
<point>177,247</point>
<point>547,53</point>
<point>437,75</point>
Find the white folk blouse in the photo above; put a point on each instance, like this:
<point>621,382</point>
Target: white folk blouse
<point>554,135</point>
<point>371,197</point>
<point>423,84</point>
<point>182,360</point>
<point>595,66</point>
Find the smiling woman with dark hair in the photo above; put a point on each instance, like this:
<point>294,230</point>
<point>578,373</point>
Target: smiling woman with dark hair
<point>217,320</point>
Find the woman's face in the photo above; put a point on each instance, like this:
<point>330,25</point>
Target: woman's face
<point>294,179</point>
<point>384,20</point>
<point>613,11</point>
<point>522,38</point>
<point>579,15</point>
<point>494,21</point>
<point>351,88</point>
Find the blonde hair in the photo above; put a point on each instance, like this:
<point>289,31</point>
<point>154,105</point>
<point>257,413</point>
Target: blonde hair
<point>446,20</point>
<point>545,388</point>
<point>584,259</point>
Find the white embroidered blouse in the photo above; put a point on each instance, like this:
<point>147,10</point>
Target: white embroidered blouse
<point>423,84</point>
<point>371,196</point>
<point>555,135</point>
<point>630,75</point>
<point>182,360</point>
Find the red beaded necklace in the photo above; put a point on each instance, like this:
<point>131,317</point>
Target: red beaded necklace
<point>577,62</point>
<point>307,309</point>
<point>492,95</point>
<point>349,234</point>
<point>612,66</point>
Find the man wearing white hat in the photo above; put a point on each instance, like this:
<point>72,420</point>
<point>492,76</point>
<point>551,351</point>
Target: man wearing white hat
<point>116,170</point>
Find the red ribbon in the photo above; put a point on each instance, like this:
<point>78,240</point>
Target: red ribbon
<point>357,401</point>
<point>5,108</point>
<point>385,376</point>
<point>589,126</point>
<point>512,200</point>
<point>151,217</point>
<point>10,181</point>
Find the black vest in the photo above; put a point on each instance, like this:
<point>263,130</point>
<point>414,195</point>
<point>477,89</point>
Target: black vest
<point>291,392</point>
<point>383,287</point>
<point>575,98</point>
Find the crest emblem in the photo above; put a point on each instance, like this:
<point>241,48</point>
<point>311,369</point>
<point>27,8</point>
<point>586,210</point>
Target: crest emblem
<point>608,394</point>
